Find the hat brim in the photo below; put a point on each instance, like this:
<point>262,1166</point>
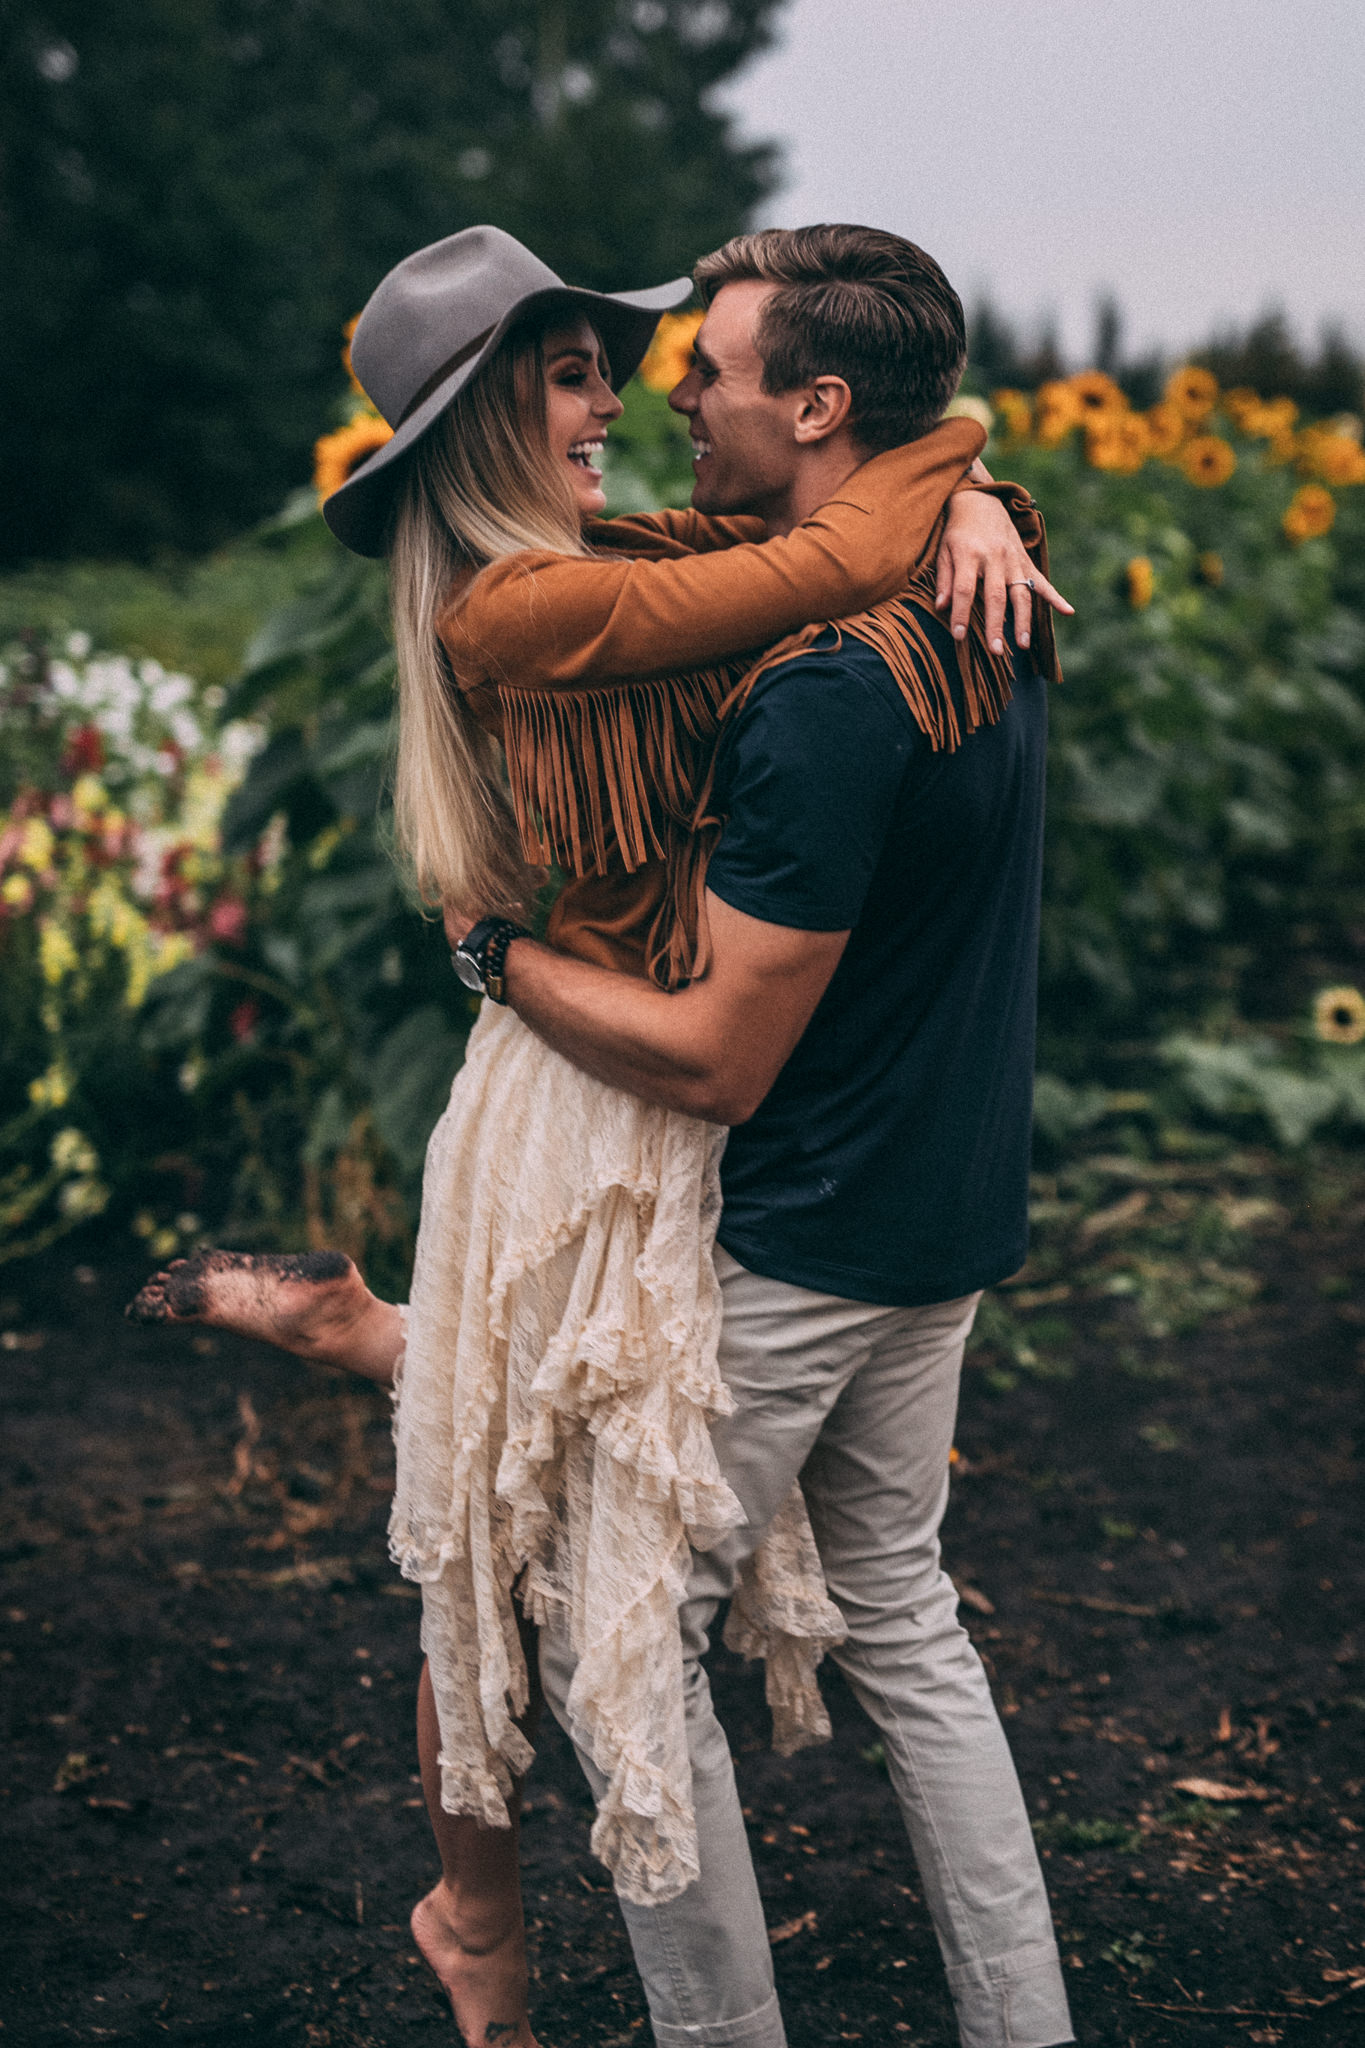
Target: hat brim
<point>359,513</point>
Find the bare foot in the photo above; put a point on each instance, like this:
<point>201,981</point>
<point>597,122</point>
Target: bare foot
<point>479,1955</point>
<point>314,1304</point>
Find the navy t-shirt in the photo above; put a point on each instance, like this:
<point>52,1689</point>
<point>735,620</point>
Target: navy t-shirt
<point>889,1162</point>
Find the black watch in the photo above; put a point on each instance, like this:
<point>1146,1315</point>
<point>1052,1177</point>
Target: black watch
<point>481,954</point>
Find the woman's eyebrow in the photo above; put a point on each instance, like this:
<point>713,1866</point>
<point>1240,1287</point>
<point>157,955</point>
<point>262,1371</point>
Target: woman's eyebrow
<point>582,355</point>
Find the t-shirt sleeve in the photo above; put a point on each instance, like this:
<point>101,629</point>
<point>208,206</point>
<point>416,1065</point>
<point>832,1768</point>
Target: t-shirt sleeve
<point>808,782</point>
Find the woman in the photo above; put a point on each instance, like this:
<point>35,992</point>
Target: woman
<point>560,1371</point>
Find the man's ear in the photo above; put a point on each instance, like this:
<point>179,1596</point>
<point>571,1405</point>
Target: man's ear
<point>825,407</point>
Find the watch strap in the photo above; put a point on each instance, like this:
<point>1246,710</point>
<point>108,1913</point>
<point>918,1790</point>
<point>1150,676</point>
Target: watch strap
<point>486,946</point>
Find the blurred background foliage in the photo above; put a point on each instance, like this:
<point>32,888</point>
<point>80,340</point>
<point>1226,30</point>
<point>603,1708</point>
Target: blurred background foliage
<point>195,194</point>
<point>225,1015</point>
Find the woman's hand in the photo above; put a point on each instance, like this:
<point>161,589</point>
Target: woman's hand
<point>980,545</point>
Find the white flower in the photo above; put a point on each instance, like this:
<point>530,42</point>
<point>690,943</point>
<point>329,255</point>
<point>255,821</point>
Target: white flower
<point>78,645</point>
<point>167,694</point>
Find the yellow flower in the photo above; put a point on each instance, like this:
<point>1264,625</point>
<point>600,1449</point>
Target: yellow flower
<point>1015,413</point>
<point>51,1090</point>
<point>56,954</point>
<point>1339,1016</point>
<point>336,456</point>
<point>1059,409</point>
<point>37,845</point>
<point>1336,457</point>
<point>18,892</point>
<point>72,1152</point>
<point>1165,428</point>
<point>1193,392</point>
<point>1140,582</point>
<point>1311,512</point>
<point>669,356</point>
<point>348,332</point>
<point>1209,569</point>
<point>1119,441</point>
<point>1208,460</point>
<point>89,794</point>
<point>1241,405</point>
<point>1098,396</point>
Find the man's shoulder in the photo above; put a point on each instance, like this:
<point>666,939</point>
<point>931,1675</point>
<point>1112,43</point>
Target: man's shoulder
<point>837,676</point>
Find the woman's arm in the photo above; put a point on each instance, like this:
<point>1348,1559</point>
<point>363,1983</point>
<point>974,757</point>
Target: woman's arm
<point>546,622</point>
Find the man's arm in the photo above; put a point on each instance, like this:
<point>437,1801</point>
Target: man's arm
<point>713,1049</point>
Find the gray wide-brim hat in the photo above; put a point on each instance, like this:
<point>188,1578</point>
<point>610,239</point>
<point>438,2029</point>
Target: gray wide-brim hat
<point>431,325</point>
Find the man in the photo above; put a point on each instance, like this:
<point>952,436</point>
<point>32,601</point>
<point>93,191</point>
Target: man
<point>866,1028</point>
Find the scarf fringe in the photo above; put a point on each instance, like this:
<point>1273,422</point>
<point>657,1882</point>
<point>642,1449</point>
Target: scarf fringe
<point>592,772</point>
<point>897,630</point>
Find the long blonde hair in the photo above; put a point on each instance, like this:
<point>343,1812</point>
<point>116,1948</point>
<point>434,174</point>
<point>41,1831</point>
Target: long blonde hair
<point>482,484</point>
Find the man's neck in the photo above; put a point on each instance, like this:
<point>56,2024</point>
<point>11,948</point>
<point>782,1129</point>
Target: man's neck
<point>827,470</point>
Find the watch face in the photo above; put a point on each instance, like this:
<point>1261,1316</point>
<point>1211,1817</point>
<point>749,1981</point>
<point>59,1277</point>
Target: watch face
<point>468,971</point>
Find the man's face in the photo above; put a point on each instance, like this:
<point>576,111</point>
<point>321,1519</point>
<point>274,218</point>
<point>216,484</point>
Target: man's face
<point>745,454</point>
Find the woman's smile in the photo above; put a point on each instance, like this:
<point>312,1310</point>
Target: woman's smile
<point>579,407</point>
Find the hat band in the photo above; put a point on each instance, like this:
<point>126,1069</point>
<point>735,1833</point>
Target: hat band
<point>437,377</point>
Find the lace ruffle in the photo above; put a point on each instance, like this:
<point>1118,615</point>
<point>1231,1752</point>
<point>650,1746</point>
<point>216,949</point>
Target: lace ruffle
<point>559,1378</point>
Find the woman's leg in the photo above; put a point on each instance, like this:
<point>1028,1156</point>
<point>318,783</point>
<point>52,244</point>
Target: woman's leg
<point>314,1304</point>
<point>471,1927</point>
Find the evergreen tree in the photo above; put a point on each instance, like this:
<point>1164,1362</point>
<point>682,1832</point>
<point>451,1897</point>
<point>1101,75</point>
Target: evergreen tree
<point>195,194</point>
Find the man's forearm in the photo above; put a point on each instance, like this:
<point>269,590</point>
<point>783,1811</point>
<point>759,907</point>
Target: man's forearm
<point>713,1049</point>
<point>618,1028</point>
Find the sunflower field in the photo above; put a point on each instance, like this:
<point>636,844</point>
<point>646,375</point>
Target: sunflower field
<point>227,1016</point>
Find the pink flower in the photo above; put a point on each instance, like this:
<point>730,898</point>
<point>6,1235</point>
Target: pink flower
<point>227,921</point>
<point>244,1019</point>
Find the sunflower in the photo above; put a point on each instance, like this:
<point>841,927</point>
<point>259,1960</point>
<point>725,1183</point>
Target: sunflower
<point>1119,441</point>
<point>1140,582</point>
<point>1193,392</point>
<point>1241,405</point>
<point>1269,419</point>
<point>1311,512</point>
<point>669,356</point>
<point>1208,460</point>
<point>337,456</point>
<point>1058,411</point>
<point>1099,396</point>
<point>1165,428</point>
<point>1015,412</point>
<point>348,334</point>
<point>1339,1016</point>
<point>1336,457</point>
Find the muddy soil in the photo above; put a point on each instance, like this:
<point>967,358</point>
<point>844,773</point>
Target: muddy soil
<point>212,1819</point>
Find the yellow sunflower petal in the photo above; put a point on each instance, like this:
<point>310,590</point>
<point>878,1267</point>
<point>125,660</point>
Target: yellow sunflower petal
<point>337,456</point>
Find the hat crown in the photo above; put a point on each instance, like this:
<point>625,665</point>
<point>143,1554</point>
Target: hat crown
<point>434,305</point>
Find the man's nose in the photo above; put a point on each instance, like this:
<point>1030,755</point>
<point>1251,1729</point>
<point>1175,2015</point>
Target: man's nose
<point>683,397</point>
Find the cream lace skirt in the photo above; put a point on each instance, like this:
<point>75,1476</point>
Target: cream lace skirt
<point>551,1427</point>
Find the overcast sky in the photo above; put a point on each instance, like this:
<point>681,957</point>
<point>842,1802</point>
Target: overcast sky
<point>1204,159</point>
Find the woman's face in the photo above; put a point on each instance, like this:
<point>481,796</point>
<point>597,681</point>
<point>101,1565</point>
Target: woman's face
<point>579,407</point>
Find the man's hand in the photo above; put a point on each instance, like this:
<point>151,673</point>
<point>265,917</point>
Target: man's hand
<point>712,1050</point>
<point>980,545</point>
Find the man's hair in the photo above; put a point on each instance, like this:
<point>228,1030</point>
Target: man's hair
<point>855,303</point>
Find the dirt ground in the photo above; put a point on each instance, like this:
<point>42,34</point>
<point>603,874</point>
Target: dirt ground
<point>212,1819</point>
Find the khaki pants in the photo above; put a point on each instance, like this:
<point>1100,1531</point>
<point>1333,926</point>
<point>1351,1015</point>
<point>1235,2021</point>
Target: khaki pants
<point>861,1403</point>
